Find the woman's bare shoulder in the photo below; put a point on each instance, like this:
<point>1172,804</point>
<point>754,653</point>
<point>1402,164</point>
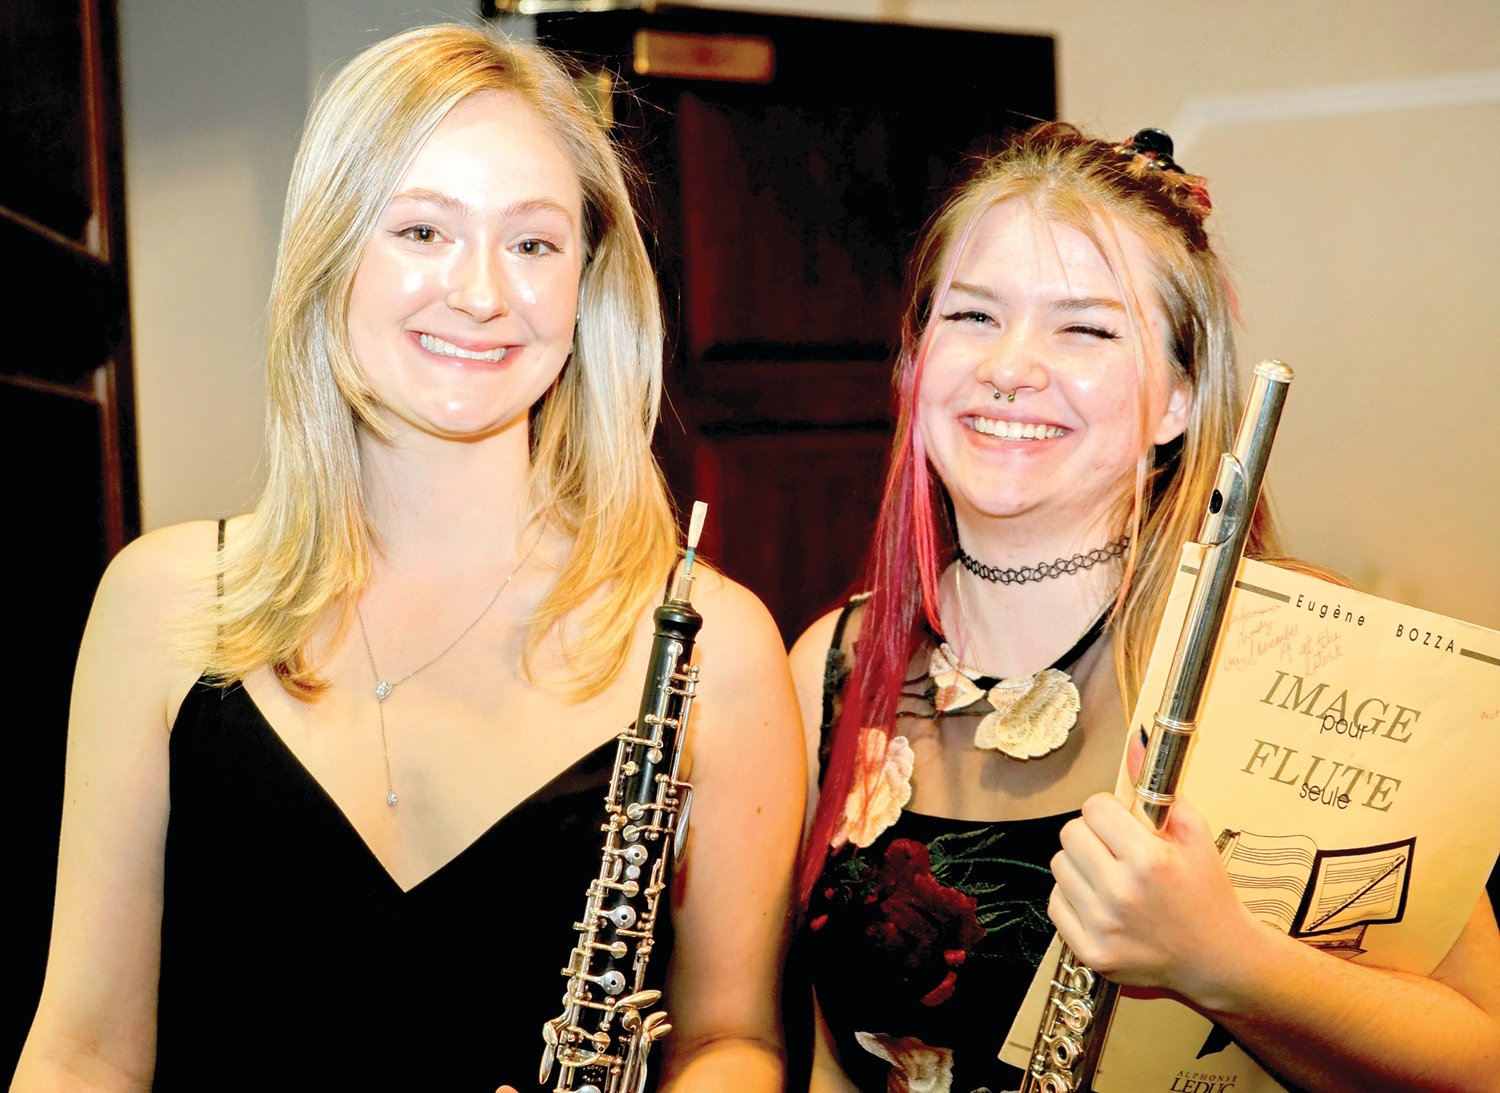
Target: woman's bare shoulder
<point>98,1006</point>
<point>809,655</point>
<point>810,650</point>
<point>149,595</point>
<point>723,593</point>
<point>177,552</point>
<point>737,625</point>
<point>162,570</point>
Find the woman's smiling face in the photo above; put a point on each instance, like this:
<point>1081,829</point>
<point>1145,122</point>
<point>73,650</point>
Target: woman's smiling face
<point>1030,402</point>
<point>462,309</point>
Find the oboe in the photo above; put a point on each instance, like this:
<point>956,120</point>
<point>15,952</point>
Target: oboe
<point>1080,1003</point>
<point>603,1036</point>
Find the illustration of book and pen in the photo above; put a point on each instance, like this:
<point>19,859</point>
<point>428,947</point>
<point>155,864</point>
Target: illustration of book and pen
<point>1325,898</point>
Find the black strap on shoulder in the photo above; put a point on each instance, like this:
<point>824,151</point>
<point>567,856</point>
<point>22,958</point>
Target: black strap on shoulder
<point>837,667</point>
<point>844,616</point>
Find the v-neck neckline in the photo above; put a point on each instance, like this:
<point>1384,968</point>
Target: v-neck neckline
<point>291,761</point>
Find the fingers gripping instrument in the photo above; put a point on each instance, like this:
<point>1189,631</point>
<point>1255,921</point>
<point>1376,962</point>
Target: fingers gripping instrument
<point>601,1040</point>
<point>1081,1002</point>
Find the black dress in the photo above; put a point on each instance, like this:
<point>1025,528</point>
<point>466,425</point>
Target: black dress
<point>290,958</point>
<point>921,944</point>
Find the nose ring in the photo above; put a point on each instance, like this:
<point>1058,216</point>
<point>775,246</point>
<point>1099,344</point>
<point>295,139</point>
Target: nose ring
<point>1010,396</point>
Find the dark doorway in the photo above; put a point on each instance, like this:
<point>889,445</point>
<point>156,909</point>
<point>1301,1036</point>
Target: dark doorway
<point>791,163</point>
<point>66,421</point>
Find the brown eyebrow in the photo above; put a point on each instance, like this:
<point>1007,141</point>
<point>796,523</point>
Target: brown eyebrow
<point>432,197</point>
<point>973,290</point>
<point>453,204</point>
<point>1086,303</point>
<point>1070,304</point>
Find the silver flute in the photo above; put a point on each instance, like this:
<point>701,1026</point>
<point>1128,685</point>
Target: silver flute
<point>1081,1003</point>
<point>601,1040</point>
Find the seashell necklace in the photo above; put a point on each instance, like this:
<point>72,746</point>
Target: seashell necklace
<point>1026,717</point>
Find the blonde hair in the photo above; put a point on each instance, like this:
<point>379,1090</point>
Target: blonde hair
<point>593,478</point>
<point>1099,189</point>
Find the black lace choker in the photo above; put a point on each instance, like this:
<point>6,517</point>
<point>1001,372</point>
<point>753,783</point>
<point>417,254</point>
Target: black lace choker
<point>1043,570</point>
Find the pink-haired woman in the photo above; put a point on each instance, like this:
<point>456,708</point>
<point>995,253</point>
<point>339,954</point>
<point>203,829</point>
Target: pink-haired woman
<point>1066,385</point>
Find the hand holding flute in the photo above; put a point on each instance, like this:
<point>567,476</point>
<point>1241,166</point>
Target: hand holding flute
<point>1144,908</point>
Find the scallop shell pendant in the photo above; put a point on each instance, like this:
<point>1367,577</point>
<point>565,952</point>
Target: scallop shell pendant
<point>1033,715</point>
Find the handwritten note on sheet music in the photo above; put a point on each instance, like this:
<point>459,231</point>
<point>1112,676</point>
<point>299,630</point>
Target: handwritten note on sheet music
<point>1348,759</point>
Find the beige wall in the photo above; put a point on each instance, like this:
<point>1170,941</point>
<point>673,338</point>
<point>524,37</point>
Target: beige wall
<point>215,95</point>
<point>1354,158</point>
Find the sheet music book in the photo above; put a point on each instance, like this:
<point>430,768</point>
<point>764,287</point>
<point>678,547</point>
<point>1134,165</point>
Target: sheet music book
<point>1348,758</point>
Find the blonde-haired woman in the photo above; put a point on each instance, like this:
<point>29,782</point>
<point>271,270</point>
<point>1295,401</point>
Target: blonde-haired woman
<point>336,768</point>
<point>1066,386</point>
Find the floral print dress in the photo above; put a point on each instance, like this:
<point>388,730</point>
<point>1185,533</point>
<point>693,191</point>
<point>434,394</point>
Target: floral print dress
<point>923,932</point>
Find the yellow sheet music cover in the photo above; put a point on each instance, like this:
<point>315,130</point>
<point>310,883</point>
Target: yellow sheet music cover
<point>1348,760</point>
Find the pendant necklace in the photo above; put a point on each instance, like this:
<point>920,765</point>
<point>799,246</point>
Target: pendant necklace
<point>383,689</point>
<point>1025,717</point>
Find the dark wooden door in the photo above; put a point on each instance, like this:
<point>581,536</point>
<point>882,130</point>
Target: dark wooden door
<point>66,423</point>
<point>791,163</point>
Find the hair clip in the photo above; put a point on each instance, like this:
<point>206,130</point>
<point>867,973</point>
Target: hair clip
<point>1155,145</point>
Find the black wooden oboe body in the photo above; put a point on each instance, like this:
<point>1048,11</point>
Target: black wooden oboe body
<point>603,1036</point>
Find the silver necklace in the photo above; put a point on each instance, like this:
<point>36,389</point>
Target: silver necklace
<point>383,689</point>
